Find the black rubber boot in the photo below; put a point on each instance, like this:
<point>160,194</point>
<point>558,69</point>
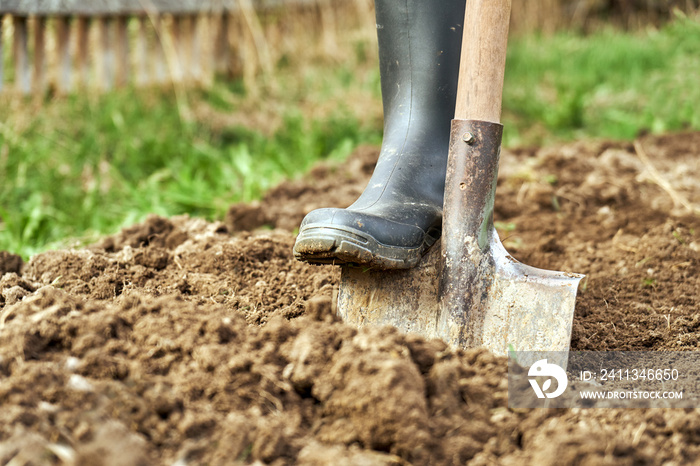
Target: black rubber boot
<point>399,214</point>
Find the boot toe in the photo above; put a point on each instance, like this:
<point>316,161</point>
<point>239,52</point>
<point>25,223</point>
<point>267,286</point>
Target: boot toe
<point>343,236</point>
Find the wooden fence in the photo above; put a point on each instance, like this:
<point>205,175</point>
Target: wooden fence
<point>586,15</point>
<point>66,45</point>
<point>73,44</point>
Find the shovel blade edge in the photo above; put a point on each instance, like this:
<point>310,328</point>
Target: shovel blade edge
<point>528,309</point>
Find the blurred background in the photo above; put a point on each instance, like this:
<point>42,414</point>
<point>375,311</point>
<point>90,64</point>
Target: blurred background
<point>114,109</point>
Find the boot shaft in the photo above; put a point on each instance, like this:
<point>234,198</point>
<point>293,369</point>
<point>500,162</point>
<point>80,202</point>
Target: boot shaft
<point>419,49</point>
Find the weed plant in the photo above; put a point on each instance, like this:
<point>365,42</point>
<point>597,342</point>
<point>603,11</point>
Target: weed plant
<point>86,165</point>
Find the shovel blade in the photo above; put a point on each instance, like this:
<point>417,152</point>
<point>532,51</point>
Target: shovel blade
<point>537,306</point>
<point>522,308</point>
<point>525,309</point>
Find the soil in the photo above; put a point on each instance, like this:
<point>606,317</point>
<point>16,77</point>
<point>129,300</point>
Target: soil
<point>179,341</point>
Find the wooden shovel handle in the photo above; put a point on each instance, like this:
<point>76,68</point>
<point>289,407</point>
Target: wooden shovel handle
<point>483,60</point>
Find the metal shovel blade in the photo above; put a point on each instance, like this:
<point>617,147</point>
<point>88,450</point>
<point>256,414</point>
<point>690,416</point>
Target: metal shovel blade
<point>470,292</point>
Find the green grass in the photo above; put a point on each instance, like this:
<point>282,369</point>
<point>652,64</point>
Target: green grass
<point>606,85</point>
<point>84,166</point>
<point>107,162</point>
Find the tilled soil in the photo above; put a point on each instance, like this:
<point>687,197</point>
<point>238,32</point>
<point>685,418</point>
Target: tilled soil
<point>179,341</point>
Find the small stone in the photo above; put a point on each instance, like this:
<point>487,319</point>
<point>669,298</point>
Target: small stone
<point>79,383</point>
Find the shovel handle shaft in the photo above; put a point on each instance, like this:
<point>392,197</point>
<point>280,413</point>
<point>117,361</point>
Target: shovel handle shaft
<point>483,60</point>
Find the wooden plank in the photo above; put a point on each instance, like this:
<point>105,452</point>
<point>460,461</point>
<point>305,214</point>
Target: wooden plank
<point>107,53</point>
<point>195,49</point>
<point>2,53</point>
<point>63,49</point>
<point>222,47</point>
<point>329,27</point>
<point>191,59</point>
<point>82,34</point>
<point>121,46</point>
<point>176,59</point>
<point>252,22</point>
<point>160,63</point>
<point>208,30</point>
<point>241,60</point>
<point>82,50</point>
<point>141,52</point>
<point>131,7</point>
<point>184,47</point>
<point>209,35</point>
<point>39,75</point>
<point>21,55</point>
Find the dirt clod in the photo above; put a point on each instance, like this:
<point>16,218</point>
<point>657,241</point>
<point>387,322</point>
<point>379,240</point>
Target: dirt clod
<point>10,263</point>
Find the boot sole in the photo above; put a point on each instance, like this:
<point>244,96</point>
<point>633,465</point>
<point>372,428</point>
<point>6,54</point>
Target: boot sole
<point>323,244</point>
